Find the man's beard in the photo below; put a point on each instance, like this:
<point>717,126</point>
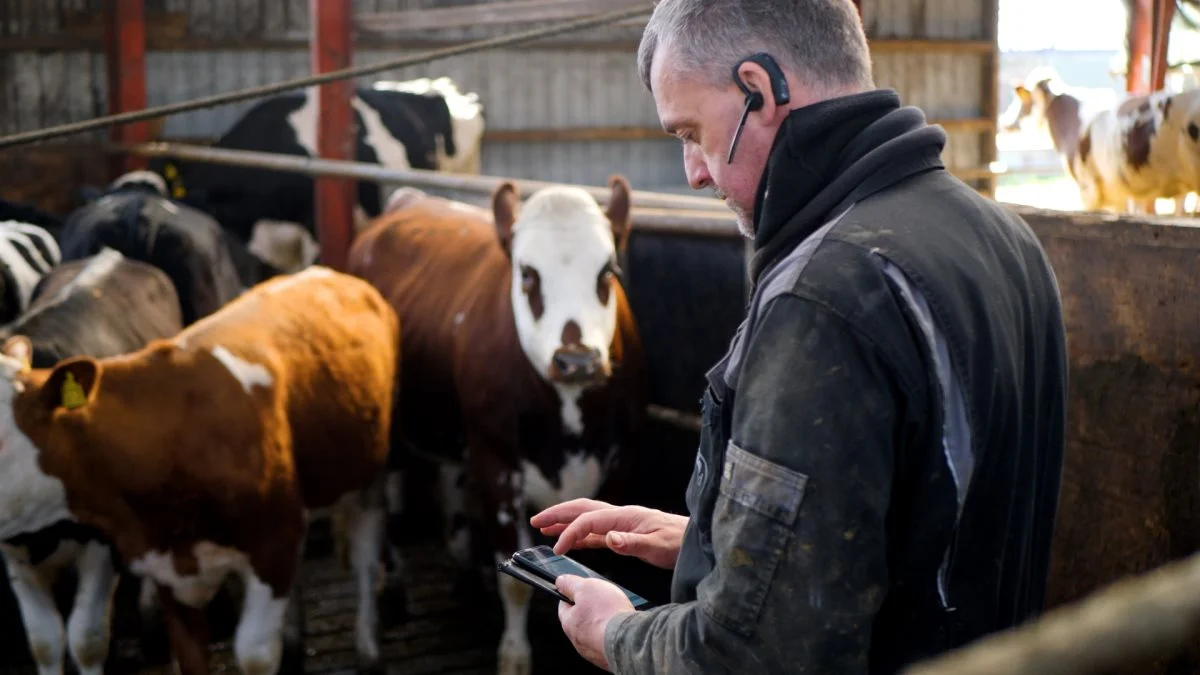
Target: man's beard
<point>745,219</point>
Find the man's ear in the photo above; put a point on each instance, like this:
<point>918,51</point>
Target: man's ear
<point>74,383</point>
<point>20,348</point>
<point>506,202</point>
<point>757,79</point>
<point>619,210</point>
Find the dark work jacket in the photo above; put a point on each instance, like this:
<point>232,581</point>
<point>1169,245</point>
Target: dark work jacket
<point>879,464</point>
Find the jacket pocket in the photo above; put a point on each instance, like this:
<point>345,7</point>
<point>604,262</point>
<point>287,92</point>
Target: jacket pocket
<point>757,505</point>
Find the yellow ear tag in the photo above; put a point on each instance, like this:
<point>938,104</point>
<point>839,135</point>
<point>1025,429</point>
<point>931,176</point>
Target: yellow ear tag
<point>170,172</point>
<point>72,393</point>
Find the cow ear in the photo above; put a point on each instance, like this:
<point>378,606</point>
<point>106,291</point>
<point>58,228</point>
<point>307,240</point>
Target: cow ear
<point>506,202</point>
<point>20,348</point>
<point>72,384</point>
<point>619,210</point>
<point>1022,92</point>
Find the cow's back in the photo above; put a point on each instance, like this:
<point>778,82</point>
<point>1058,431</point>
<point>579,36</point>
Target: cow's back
<point>326,344</point>
<point>100,306</point>
<point>183,242</point>
<point>440,266</point>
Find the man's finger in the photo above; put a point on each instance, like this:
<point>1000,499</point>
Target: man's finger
<point>566,512</point>
<point>596,522</point>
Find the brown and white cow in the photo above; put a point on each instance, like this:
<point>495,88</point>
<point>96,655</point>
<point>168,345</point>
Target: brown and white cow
<point>1125,156</point>
<point>200,457</point>
<point>519,342</point>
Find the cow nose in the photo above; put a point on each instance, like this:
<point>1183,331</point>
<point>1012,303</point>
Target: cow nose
<point>576,364</point>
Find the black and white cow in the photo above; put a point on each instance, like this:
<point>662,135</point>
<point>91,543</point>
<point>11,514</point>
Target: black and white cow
<point>28,213</point>
<point>103,305</point>
<point>135,217</point>
<point>423,124</point>
<point>27,253</point>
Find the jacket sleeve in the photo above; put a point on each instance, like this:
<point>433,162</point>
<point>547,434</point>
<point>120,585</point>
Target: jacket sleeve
<point>798,524</point>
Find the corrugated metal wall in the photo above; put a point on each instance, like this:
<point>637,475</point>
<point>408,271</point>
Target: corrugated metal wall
<point>589,82</point>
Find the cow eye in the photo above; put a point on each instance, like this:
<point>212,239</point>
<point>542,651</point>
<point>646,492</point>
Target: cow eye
<point>604,282</point>
<point>529,279</point>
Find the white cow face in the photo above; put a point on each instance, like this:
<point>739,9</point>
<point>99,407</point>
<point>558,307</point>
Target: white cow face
<point>563,250</point>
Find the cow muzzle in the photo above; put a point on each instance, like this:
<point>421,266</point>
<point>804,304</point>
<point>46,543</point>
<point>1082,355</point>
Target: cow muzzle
<point>576,364</point>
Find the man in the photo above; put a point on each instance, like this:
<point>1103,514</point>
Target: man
<point>878,470</point>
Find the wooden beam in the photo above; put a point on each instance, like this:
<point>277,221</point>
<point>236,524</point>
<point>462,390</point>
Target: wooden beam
<point>125,60</point>
<point>907,46</point>
<point>166,41</point>
<point>990,94</point>
<point>487,14</point>
<point>334,198</point>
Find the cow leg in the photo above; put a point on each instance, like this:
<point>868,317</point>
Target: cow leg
<point>394,509</point>
<point>503,507</point>
<point>455,523</point>
<point>187,629</point>
<point>152,633</point>
<point>292,659</point>
<point>88,627</point>
<point>43,624</point>
<point>515,653</point>
<point>365,527</point>
<point>258,642</point>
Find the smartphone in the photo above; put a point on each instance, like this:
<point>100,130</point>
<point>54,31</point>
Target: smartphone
<point>533,580</point>
<point>545,563</point>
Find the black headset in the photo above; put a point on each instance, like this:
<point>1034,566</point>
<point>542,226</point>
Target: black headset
<point>754,99</point>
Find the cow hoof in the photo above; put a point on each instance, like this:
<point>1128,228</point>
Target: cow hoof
<point>515,658</point>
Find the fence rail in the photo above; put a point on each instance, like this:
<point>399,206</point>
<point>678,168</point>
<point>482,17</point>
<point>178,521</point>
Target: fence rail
<point>712,214</point>
<point>1133,621</point>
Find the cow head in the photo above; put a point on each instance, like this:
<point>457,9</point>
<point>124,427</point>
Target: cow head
<point>1033,98</point>
<point>1018,111</point>
<point>563,250</point>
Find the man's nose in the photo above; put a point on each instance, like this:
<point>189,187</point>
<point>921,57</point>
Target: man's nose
<point>696,168</point>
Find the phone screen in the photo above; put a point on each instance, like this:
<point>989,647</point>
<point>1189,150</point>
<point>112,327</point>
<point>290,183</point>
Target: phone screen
<point>544,561</point>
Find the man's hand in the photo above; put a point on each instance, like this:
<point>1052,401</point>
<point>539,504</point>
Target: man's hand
<point>596,603</point>
<point>649,535</point>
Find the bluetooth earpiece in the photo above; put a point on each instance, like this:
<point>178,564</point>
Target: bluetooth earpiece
<point>754,99</point>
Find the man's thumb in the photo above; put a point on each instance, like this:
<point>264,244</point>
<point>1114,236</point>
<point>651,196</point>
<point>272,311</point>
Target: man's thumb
<point>567,584</point>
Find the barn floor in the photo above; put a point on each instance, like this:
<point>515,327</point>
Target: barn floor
<point>441,634</point>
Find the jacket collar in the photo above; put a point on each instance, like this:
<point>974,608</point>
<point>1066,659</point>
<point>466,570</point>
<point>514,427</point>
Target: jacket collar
<point>833,153</point>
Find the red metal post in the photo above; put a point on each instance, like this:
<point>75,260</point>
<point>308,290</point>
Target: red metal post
<point>1140,36</point>
<point>125,53</point>
<point>1164,13</point>
<point>334,198</point>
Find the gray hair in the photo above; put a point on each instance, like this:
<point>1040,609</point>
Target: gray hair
<point>820,41</point>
